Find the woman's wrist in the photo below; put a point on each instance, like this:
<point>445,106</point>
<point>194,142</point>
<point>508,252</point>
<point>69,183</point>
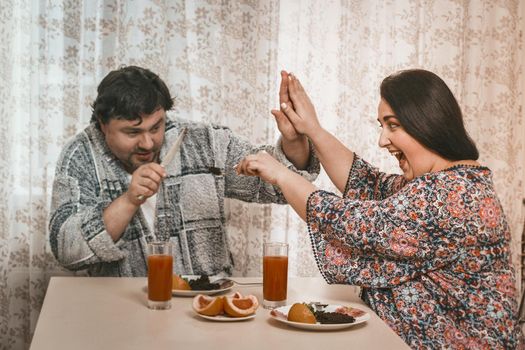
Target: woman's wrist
<point>282,176</point>
<point>316,134</point>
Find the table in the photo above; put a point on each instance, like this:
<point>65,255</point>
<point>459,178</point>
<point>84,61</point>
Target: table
<point>111,313</point>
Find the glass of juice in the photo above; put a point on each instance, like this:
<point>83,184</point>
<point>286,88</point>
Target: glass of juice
<point>160,275</point>
<point>275,274</point>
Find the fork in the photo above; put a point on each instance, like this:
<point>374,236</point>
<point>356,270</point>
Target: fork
<point>225,280</point>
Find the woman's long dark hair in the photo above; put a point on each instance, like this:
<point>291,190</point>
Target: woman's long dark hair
<point>429,112</point>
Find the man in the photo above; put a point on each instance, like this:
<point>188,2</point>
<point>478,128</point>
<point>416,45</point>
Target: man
<point>111,195</point>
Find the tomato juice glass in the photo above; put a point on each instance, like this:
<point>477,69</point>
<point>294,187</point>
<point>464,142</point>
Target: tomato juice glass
<point>275,274</point>
<point>160,275</point>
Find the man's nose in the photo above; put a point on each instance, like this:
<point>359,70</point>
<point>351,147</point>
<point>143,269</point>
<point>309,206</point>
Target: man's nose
<point>146,141</point>
<point>383,139</point>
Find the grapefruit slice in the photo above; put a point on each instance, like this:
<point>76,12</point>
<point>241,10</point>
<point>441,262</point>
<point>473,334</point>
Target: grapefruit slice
<point>236,295</point>
<point>180,283</point>
<point>300,312</point>
<point>209,306</point>
<point>239,306</point>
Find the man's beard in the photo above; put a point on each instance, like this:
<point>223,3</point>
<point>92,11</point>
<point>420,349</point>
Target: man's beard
<point>131,165</point>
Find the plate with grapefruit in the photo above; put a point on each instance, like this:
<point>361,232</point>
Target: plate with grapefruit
<point>229,308</point>
<point>192,285</point>
<point>319,317</point>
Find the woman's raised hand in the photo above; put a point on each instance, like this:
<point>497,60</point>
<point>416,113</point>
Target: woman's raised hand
<point>298,108</point>
<point>283,123</point>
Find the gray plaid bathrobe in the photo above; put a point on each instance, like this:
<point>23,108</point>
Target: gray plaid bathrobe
<point>190,203</point>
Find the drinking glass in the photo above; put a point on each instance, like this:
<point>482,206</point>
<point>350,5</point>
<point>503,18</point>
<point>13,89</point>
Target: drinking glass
<point>160,275</point>
<point>275,274</point>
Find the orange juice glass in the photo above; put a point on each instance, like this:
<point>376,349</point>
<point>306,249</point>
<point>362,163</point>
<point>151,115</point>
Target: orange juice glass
<point>160,275</point>
<point>275,274</point>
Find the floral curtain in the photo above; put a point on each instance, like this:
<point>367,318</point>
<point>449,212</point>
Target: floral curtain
<point>221,60</point>
<point>341,51</point>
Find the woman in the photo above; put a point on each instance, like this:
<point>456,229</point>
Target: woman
<point>431,247</point>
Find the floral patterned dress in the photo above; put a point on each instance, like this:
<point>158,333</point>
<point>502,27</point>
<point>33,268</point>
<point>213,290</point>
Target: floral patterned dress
<point>431,255</point>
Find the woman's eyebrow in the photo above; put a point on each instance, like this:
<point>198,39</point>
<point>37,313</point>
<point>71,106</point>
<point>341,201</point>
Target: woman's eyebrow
<point>386,118</point>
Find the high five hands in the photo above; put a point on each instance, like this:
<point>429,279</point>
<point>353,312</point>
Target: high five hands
<point>283,124</point>
<point>296,119</point>
<point>296,106</point>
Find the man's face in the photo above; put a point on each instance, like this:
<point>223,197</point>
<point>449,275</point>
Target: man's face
<point>134,143</point>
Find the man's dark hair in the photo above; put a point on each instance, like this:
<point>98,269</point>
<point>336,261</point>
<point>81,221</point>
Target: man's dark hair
<point>429,112</point>
<point>128,93</point>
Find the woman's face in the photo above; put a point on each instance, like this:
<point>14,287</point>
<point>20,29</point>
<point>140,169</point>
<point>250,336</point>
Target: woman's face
<point>414,158</point>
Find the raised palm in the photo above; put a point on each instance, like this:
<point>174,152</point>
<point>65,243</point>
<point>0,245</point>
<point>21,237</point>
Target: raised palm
<point>299,109</point>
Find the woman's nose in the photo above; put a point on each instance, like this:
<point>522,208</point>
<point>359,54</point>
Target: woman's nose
<point>383,139</point>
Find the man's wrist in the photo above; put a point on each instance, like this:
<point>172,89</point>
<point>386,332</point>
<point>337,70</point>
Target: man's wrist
<point>299,144</point>
<point>299,139</point>
<point>297,152</point>
<point>134,201</point>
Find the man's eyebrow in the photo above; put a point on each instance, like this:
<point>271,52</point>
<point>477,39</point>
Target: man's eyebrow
<point>132,128</point>
<point>161,120</point>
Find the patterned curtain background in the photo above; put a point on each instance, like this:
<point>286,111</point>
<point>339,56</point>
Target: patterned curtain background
<point>341,51</point>
<point>221,60</point>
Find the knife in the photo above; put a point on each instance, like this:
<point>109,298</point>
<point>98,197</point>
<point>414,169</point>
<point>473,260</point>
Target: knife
<point>174,149</point>
<point>170,155</point>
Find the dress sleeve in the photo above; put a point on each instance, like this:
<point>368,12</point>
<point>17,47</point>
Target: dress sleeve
<point>382,243</point>
<point>78,237</point>
<point>366,182</point>
<point>252,188</point>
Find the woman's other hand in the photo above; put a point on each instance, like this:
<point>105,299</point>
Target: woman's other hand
<point>295,188</point>
<point>264,166</point>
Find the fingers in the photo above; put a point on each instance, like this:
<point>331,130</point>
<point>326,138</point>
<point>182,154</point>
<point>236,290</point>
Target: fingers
<point>247,166</point>
<point>145,192</point>
<point>295,90</point>
<point>290,114</point>
<point>149,184</point>
<point>293,84</point>
<point>300,99</point>
<point>280,118</point>
<point>146,180</point>
<point>284,125</point>
<point>284,96</point>
<point>150,177</point>
<point>262,165</point>
<point>251,164</point>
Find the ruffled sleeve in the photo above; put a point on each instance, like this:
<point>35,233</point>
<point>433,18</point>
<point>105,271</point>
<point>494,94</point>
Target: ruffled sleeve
<point>366,182</point>
<point>381,243</point>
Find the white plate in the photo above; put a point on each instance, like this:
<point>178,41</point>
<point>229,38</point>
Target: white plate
<point>281,313</point>
<point>192,293</point>
<point>223,318</point>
